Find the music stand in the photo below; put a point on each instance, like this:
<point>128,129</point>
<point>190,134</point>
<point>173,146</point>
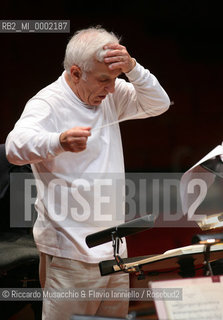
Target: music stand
<point>214,165</point>
<point>115,234</point>
<point>183,259</point>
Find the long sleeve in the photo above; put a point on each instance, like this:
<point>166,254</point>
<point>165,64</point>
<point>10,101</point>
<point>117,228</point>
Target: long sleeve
<point>141,98</point>
<point>34,137</point>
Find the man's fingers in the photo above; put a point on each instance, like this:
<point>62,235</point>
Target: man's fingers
<point>77,148</point>
<point>113,53</point>
<point>116,65</point>
<point>75,139</point>
<point>81,131</point>
<point>113,46</point>
<point>115,59</point>
<point>84,128</point>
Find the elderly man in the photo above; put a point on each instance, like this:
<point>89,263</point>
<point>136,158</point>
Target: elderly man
<point>69,134</point>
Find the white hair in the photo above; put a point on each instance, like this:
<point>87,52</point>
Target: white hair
<point>87,45</point>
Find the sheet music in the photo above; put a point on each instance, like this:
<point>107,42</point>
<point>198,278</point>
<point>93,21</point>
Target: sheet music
<point>201,299</point>
<point>217,151</point>
<point>191,200</point>
<point>192,249</point>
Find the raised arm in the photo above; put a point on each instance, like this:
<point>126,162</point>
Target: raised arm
<point>143,96</point>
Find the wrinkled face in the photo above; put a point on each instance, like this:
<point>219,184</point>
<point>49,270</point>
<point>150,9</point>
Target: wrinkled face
<point>98,83</point>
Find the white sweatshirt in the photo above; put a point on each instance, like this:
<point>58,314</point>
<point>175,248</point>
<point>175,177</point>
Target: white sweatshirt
<point>80,193</point>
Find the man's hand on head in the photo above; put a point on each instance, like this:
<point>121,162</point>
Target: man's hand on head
<point>75,139</point>
<point>117,57</point>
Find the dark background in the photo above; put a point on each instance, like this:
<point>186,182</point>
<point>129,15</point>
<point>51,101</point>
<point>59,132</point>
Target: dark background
<point>178,41</point>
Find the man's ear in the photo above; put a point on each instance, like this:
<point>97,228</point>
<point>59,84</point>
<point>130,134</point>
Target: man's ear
<point>75,73</point>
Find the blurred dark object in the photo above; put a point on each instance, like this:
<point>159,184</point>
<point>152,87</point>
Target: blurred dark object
<point>122,230</point>
<point>215,166</point>
<point>217,265</point>
<point>206,236</point>
<point>19,258</point>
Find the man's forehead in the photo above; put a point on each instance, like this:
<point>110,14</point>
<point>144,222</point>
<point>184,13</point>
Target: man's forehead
<point>113,74</point>
<point>101,69</point>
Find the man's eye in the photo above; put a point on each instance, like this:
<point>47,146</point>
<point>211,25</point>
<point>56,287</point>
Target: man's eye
<point>103,80</point>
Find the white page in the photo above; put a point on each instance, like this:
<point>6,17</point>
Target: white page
<point>202,299</point>
<point>191,197</point>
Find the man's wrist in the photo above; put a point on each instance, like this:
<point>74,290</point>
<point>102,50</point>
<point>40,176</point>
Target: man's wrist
<point>133,64</point>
